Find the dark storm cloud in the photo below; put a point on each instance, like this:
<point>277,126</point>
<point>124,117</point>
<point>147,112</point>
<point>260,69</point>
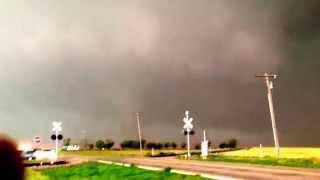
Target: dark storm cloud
<point>92,64</point>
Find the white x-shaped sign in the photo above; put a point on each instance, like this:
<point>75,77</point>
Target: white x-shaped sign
<point>56,126</point>
<point>187,122</point>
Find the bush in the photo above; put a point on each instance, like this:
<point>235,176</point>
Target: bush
<point>183,145</point>
<point>158,146</point>
<point>167,169</point>
<point>173,145</point>
<point>90,146</point>
<point>223,145</point>
<point>134,144</point>
<point>166,144</point>
<point>99,144</point>
<point>108,144</point>
<point>154,145</point>
<point>151,145</point>
<point>197,146</point>
<point>67,142</point>
<point>232,143</point>
<point>143,143</point>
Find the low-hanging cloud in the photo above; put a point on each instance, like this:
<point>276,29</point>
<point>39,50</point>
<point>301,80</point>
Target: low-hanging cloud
<point>93,64</point>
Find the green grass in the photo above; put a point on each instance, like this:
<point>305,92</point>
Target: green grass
<point>35,175</point>
<point>97,171</point>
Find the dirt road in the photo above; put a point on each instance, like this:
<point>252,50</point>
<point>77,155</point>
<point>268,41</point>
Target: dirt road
<point>239,171</point>
<point>232,170</point>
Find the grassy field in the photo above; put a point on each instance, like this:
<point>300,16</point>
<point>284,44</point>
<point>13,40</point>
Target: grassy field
<point>98,171</point>
<point>286,152</point>
<point>291,157</point>
<point>122,153</point>
<point>289,162</point>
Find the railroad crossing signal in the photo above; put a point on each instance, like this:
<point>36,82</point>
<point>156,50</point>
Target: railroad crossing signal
<point>56,137</point>
<point>188,128</point>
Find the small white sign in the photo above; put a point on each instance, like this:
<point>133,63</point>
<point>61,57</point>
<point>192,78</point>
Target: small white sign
<point>72,148</point>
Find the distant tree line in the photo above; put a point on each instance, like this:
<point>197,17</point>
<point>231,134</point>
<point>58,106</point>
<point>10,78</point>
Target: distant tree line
<point>135,144</point>
<point>232,143</point>
<point>132,144</point>
<point>107,144</point>
<point>161,145</point>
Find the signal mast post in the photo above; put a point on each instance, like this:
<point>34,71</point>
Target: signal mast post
<point>188,127</point>
<point>269,83</point>
<point>56,128</point>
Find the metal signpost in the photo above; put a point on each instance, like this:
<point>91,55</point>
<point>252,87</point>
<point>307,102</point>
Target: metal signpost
<point>268,78</point>
<point>188,127</point>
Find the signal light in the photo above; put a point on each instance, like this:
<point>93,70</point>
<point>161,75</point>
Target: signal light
<point>54,137</point>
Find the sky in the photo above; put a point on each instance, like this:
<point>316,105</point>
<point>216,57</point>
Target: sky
<point>93,64</point>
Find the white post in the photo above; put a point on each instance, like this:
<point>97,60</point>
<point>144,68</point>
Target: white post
<point>188,144</point>
<point>57,142</point>
<point>273,121</point>
<point>139,132</point>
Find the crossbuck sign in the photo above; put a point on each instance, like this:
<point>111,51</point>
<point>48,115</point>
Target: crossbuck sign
<point>187,122</point>
<point>56,126</point>
<point>188,127</point>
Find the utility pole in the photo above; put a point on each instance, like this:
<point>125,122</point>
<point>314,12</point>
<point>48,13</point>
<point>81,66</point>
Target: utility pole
<point>139,131</point>
<point>268,78</point>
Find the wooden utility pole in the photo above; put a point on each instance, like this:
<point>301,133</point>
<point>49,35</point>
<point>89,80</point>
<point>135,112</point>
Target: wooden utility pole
<point>139,131</point>
<point>268,79</point>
